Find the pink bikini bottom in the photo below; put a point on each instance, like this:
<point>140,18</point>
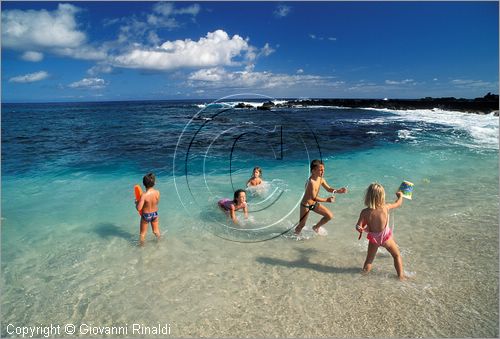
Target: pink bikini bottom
<point>379,238</point>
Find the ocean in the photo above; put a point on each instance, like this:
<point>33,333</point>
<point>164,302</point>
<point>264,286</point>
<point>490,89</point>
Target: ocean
<point>69,235</point>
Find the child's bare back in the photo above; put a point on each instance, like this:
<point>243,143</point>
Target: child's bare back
<point>148,208</point>
<point>151,198</point>
<point>375,219</point>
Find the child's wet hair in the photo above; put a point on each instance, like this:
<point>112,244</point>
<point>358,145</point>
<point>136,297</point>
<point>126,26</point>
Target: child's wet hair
<point>149,180</point>
<point>315,163</point>
<point>258,169</point>
<point>237,194</point>
<point>375,196</point>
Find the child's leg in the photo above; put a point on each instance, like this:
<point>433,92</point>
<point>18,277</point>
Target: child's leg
<point>370,256</point>
<point>303,218</point>
<point>155,225</point>
<point>393,249</point>
<point>143,231</point>
<point>226,213</point>
<point>327,216</point>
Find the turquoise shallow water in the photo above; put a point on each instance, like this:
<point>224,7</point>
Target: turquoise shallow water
<point>70,255</point>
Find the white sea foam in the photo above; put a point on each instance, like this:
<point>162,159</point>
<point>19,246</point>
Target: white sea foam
<point>482,128</point>
<point>405,134</point>
<point>261,190</point>
<point>319,107</point>
<point>233,104</point>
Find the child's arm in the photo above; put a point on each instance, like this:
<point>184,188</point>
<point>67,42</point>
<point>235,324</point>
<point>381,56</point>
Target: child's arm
<point>140,204</point>
<point>331,189</point>
<point>309,193</point>
<point>326,186</point>
<point>329,199</point>
<point>397,203</point>
<point>361,224</point>
<point>245,210</point>
<point>233,214</point>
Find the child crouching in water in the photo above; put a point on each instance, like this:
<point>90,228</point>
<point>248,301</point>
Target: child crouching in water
<point>375,220</point>
<point>231,206</point>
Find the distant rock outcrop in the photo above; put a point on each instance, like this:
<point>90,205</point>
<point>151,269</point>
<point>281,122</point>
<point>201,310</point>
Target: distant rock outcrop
<point>243,105</point>
<point>485,105</point>
<point>266,106</point>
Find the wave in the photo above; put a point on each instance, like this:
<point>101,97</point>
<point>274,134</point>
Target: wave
<point>483,128</point>
<point>233,104</point>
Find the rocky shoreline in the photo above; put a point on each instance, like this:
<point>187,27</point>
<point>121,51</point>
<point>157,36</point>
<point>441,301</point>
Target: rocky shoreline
<point>485,105</point>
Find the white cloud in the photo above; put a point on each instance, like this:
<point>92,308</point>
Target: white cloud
<point>47,31</point>
<point>153,38</point>
<point>463,82</point>
<point>164,12</point>
<point>168,9</point>
<point>83,52</point>
<point>300,71</point>
<point>25,30</point>
<point>98,69</point>
<point>400,82</point>
<point>159,21</point>
<point>32,56</point>
<point>282,11</point>
<point>163,8</point>
<point>32,77</point>
<point>475,84</point>
<point>88,83</point>
<point>190,10</point>
<point>266,50</point>
<point>218,77</point>
<point>316,37</point>
<point>164,15</point>
<point>216,49</point>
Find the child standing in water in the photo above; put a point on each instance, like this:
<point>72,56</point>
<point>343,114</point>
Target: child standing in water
<point>375,220</point>
<point>311,200</point>
<point>148,208</point>
<point>231,206</point>
<point>256,177</point>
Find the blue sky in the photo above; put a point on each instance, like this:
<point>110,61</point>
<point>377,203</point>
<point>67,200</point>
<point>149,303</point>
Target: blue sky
<point>93,51</point>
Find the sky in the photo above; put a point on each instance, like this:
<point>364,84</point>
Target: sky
<point>124,50</point>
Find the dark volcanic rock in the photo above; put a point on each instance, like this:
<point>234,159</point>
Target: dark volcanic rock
<point>485,105</point>
<point>266,106</point>
<point>243,105</point>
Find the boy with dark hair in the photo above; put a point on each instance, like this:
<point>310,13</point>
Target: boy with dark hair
<point>311,200</point>
<point>148,208</point>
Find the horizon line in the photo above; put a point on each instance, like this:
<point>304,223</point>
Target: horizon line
<point>243,98</point>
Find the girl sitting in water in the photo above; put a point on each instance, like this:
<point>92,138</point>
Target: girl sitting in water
<point>231,206</point>
<point>375,220</point>
<point>256,177</point>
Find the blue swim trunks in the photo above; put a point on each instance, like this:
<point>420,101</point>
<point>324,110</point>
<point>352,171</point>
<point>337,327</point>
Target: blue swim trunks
<point>148,217</point>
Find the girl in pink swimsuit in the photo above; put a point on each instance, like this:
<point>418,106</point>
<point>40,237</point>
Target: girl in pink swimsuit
<point>375,220</point>
<point>231,206</point>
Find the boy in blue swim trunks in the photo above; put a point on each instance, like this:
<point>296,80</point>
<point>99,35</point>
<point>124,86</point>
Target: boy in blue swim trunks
<point>148,208</point>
